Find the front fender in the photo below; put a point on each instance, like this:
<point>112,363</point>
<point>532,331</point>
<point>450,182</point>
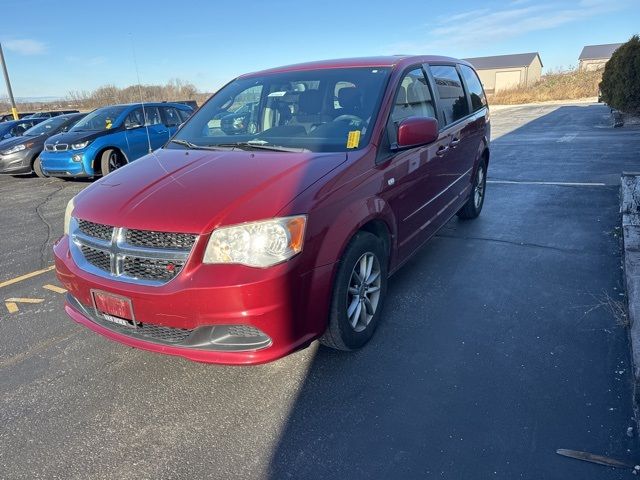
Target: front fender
<point>349,221</point>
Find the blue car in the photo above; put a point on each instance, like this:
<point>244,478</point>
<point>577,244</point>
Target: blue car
<point>111,137</point>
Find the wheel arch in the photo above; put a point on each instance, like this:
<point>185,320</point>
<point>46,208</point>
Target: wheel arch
<point>95,163</point>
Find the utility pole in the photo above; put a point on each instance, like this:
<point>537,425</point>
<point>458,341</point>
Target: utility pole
<point>14,110</point>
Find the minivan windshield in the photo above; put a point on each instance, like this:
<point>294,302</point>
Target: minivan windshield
<point>47,126</point>
<point>324,110</point>
<point>99,120</point>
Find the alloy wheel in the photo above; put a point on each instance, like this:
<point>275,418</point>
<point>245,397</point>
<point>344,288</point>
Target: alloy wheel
<point>478,193</point>
<point>363,294</point>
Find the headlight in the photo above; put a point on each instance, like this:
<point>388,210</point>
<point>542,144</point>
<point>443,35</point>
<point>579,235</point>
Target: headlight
<point>17,148</point>
<point>80,146</point>
<point>257,244</point>
<point>67,215</point>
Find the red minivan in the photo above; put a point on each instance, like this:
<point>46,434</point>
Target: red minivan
<point>276,214</point>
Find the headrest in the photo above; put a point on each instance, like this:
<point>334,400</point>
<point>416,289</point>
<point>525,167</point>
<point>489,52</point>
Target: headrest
<point>402,96</point>
<point>350,97</point>
<point>418,92</point>
<point>310,101</point>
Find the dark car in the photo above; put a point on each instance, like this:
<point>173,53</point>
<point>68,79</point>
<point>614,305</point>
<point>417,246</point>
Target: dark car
<point>52,113</point>
<point>22,154</point>
<point>245,245</point>
<point>15,128</point>
<point>7,117</point>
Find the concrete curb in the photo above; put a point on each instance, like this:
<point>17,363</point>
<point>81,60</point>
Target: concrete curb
<point>630,210</point>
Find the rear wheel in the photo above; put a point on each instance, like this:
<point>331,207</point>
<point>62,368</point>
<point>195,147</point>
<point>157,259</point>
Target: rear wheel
<point>111,160</point>
<point>474,204</point>
<point>358,293</point>
<point>37,167</point>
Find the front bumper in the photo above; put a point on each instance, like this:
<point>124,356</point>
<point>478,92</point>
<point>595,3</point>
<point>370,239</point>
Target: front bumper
<point>19,162</point>
<point>61,164</point>
<point>268,306</point>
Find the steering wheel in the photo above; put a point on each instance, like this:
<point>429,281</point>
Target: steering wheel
<point>353,120</point>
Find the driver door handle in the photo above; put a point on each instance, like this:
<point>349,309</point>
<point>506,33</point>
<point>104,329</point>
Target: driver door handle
<point>454,143</point>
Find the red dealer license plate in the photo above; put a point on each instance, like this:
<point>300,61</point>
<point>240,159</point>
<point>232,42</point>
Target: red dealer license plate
<point>114,308</point>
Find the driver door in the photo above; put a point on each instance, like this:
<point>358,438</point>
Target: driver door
<point>416,174</point>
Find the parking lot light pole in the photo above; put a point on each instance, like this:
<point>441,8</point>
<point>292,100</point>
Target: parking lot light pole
<point>14,110</point>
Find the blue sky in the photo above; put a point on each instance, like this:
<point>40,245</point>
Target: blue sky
<point>56,47</point>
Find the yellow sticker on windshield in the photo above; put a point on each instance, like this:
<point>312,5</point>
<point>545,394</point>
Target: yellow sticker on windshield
<point>353,140</point>
<point>107,123</point>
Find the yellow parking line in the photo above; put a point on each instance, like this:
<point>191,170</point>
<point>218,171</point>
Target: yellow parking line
<point>55,288</point>
<point>26,276</point>
<point>12,303</point>
<point>25,300</point>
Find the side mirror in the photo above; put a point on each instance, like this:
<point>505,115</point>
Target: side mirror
<point>416,131</point>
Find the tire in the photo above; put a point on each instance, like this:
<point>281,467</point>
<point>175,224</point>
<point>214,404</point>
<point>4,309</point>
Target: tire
<point>111,160</point>
<point>474,204</point>
<point>37,167</point>
<point>346,332</point>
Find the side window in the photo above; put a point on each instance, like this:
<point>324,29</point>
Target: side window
<point>413,98</point>
<point>184,115</point>
<point>152,116</point>
<point>172,117</point>
<point>453,101</point>
<point>476,92</point>
<point>134,119</point>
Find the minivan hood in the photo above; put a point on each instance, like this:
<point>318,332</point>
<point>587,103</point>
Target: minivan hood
<point>194,191</point>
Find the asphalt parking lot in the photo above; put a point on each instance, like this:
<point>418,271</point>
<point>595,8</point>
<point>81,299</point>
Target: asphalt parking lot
<point>500,343</point>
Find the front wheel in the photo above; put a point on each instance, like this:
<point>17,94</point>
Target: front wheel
<point>111,160</point>
<point>358,293</point>
<point>474,204</point>
<point>37,167</point>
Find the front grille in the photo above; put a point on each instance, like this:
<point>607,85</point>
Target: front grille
<point>137,256</point>
<point>49,148</point>
<point>97,258</point>
<point>103,232</point>
<point>148,238</point>
<point>152,268</point>
<point>61,147</point>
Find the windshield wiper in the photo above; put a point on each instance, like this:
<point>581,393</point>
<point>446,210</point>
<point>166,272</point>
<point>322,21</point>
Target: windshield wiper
<point>193,146</point>
<point>260,145</point>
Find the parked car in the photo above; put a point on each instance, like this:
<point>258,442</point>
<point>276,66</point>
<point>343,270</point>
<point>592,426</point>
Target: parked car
<point>7,117</point>
<point>111,137</point>
<point>241,247</point>
<point>52,113</point>
<point>15,128</point>
<point>22,154</point>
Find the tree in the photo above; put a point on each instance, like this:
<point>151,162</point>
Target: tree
<point>620,84</point>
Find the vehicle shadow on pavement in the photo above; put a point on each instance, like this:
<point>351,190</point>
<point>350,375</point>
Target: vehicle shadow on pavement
<point>495,348</point>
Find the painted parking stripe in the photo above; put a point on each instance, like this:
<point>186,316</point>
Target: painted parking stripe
<point>562,184</point>
<point>55,288</point>
<point>26,276</point>
<point>12,303</point>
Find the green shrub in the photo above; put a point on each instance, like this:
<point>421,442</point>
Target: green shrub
<point>620,84</point>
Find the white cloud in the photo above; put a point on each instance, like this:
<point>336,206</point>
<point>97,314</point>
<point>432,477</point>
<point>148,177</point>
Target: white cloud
<point>25,46</point>
<point>481,27</point>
